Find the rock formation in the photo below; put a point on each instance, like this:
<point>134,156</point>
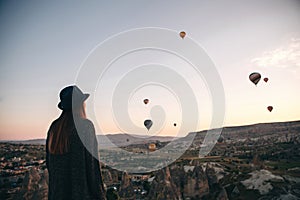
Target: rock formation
<point>175,183</point>
<point>126,190</point>
<point>196,183</point>
<point>163,186</point>
<point>35,185</point>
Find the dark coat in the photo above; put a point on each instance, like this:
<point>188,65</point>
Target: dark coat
<point>76,174</point>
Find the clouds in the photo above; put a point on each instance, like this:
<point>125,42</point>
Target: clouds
<point>287,56</point>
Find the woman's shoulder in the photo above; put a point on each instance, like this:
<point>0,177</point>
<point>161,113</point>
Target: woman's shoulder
<point>53,124</point>
<point>86,122</point>
<point>84,125</point>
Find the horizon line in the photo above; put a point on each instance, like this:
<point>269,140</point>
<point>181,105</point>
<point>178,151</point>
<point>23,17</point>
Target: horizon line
<point>230,126</point>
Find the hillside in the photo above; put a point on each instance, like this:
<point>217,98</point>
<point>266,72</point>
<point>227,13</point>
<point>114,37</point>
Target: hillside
<point>254,131</point>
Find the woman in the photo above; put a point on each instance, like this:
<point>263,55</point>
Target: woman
<point>72,151</point>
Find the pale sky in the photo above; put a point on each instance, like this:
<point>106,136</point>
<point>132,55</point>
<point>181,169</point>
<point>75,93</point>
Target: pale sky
<point>43,45</point>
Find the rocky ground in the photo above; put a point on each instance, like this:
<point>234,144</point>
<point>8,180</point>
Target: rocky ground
<point>196,180</point>
<point>251,162</point>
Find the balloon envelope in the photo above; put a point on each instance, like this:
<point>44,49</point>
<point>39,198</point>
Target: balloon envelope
<point>255,77</point>
<point>182,34</point>
<point>270,108</point>
<point>146,101</point>
<point>175,124</point>
<point>148,123</point>
<point>220,139</point>
<point>266,79</point>
<point>152,147</point>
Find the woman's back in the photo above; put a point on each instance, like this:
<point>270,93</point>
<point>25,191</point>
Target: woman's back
<point>76,173</point>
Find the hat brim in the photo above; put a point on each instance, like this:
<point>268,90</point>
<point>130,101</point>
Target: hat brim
<point>60,105</point>
<point>85,96</point>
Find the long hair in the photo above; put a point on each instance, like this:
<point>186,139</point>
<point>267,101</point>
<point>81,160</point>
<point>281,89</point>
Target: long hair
<point>58,141</point>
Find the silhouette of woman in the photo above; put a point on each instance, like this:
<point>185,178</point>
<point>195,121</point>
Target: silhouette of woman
<point>72,151</point>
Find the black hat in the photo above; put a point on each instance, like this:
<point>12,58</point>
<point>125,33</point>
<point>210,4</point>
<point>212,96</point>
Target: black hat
<point>71,95</point>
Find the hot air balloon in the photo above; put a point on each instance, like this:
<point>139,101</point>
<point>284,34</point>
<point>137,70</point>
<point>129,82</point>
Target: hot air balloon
<point>174,124</point>
<point>127,140</point>
<point>182,34</point>
<point>146,101</point>
<point>270,108</point>
<point>220,139</point>
<point>255,77</point>
<point>152,147</point>
<point>148,123</point>
<point>266,79</point>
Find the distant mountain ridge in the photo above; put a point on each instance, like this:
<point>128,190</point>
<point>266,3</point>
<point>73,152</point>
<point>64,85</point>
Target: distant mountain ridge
<point>32,141</point>
<point>241,132</point>
<point>255,130</point>
<point>120,139</point>
<point>124,139</point>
